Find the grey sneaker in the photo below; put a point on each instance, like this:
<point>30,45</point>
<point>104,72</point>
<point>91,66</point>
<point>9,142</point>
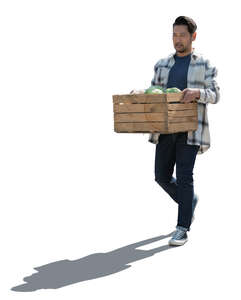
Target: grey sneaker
<point>194,204</point>
<point>179,238</point>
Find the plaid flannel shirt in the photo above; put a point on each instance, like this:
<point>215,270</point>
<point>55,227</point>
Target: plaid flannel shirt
<point>201,75</point>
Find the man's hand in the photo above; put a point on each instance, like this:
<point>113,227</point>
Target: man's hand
<point>190,95</point>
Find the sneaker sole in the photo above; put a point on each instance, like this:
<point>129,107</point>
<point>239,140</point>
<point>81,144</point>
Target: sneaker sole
<point>177,243</point>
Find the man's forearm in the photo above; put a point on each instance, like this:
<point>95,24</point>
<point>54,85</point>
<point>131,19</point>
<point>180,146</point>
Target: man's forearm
<point>210,92</point>
<point>209,95</point>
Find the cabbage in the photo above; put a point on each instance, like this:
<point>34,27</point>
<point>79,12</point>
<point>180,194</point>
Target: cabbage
<point>154,89</point>
<point>172,90</point>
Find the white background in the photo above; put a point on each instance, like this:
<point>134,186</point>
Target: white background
<point>71,186</point>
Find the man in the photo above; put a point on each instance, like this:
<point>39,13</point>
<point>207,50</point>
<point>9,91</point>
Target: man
<point>193,74</point>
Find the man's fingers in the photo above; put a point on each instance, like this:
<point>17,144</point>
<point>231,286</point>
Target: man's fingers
<point>183,95</point>
<point>185,100</point>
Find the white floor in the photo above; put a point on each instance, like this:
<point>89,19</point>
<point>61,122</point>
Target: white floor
<point>73,233</point>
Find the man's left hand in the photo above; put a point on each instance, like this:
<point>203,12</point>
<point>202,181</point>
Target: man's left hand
<point>190,95</point>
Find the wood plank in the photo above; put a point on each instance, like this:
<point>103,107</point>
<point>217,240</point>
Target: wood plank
<point>125,107</point>
<point>182,106</point>
<point>182,113</point>
<point>141,127</point>
<point>181,119</point>
<point>139,98</point>
<point>174,97</point>
<point>140,117</point>
<point>160,127</point>
<point>181,127</point>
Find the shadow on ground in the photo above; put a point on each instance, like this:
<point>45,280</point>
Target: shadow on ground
<point>65,272</point>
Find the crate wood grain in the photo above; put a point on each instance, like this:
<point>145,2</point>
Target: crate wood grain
<point>163,113</point>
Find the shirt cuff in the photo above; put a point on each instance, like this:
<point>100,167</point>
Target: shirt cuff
<point>202,95</point>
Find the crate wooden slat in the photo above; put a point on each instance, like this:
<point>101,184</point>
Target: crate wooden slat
<point>182,113</point>
<point>140,117</point>
<point>181,127</point>
<point>182,106</point>
<point>141,127</point>
<point>139,98</point>
<point>163,113</point>
<point>152,107</point>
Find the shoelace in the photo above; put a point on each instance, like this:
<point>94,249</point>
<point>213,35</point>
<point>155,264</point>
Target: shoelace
<point>179,234</point>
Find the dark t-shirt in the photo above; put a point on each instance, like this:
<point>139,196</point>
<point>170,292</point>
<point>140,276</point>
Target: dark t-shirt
<point>178,73</point>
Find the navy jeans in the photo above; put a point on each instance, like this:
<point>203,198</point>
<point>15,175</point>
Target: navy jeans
<point>173,149</point>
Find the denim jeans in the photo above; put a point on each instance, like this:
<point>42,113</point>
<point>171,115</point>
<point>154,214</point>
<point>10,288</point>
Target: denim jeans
<point>173,149</point>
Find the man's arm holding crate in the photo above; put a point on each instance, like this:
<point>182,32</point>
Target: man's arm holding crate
<point>210,93</point>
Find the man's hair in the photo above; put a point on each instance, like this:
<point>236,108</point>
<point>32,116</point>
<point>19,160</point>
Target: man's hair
<point>183,20</point>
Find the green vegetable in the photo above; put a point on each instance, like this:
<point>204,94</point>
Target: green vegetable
<point>172,90</point>
<point>154,89</point>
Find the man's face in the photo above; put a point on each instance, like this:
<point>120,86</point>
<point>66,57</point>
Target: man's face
<point>182,39</point>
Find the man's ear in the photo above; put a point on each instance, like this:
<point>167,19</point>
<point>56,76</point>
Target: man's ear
<point>194,36</point>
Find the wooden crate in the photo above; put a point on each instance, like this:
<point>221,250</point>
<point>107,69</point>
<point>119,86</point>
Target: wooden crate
<point>163,113</point>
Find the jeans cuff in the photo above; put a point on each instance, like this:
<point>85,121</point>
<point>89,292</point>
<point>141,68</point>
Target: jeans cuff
<point>182,228</point>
